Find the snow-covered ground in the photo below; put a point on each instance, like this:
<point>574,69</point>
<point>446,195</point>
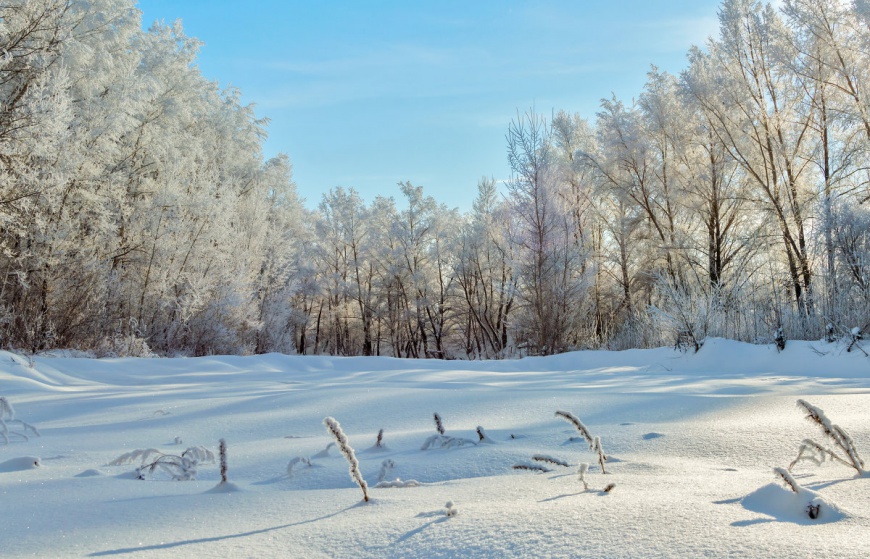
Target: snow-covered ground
<point>692,441</point>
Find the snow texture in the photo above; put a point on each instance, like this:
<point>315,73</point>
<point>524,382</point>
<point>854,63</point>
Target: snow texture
<point>704,490</point>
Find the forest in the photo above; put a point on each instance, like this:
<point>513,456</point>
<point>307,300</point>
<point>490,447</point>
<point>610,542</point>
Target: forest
<point>139,216</point>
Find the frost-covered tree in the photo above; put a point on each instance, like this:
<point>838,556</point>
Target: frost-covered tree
<point>130,183</point>
<point>484,273</point>
<point>549,263</point>
<point>757,111</point>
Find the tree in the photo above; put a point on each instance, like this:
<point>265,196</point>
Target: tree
<point>549,270</point>
<point>485,276</point>
<point>758,115</point>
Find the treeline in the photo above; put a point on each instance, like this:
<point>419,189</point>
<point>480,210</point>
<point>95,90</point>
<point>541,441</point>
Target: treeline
<point>137,213</point>
<point>135,206</point>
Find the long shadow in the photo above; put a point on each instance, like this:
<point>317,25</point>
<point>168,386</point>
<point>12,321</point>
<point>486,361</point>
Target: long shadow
<point>728,501</point>
<point>816,486</point>
<point>416,531</point>
<point>557,476</point>
<point>744,523</point>
<point>271,481</point>
<point>171,545</point>
<point>562,496</point>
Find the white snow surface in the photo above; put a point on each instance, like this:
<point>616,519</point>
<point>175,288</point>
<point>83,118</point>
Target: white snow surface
<point>692,441</point>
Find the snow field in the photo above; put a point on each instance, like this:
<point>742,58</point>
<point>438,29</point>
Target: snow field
<point>692,440</point>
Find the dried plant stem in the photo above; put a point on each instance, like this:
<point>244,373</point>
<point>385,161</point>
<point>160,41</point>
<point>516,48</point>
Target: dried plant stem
<point>549,460</point>
<point>334,429</point>
<point>439,426</point>
<point>835,433</point>
<point>531,468</point>
<point>594,442</point>
<point>572,419</point>
<point>222,449</point>
<point>788,479</point>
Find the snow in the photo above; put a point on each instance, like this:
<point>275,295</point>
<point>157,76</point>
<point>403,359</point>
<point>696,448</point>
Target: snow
<point>692,441</point>
<point>786,506</point>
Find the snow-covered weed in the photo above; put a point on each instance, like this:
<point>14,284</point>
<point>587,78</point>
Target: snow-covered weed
<point>779,339</point>
<point>814,504</point>
<point>140,454</point>
<point>546,459</point>
<point>787,479</point>
<point>334,429</point>
<point>581,471</point>
<point>222,450</point>
<point>811,451</point>
<point>793,503</point>
<point>849,337</point>
<point>450,509</point>
<point>225,486</point>
<point>178,467</point>
<point>483,437</point>
<point>527,466</point>
<point>398,483</point>
<point>325,452</point>
<point>7,418</point>
<point>380,445</point>
<point>439,426</point>
<point>298,460</point>
<point>853,339</point>
<point>445,441</point>
<point>200,454</point>
<point>594,442</point>
<point>386,467</point>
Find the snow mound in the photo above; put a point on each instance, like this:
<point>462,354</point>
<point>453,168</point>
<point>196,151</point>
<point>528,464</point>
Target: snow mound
<point>398,483</point>
<point>227,487</point>
<point>787,506</point>
<point>20,464</point>
<point>90,473</point>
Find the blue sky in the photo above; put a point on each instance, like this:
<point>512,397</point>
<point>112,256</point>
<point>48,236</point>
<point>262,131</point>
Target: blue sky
<point>367,94</point>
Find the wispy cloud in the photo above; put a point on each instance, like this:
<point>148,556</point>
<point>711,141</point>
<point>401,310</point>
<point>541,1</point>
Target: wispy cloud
<point>399,70</point>
<point>678,33</point>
